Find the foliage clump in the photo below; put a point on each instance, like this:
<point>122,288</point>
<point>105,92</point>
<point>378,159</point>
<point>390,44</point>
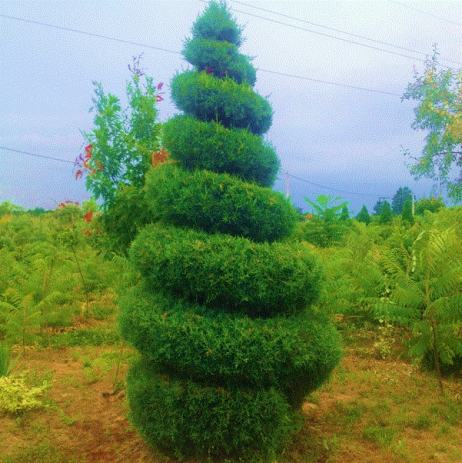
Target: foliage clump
<point>222,315</point>
<point>17,397</point>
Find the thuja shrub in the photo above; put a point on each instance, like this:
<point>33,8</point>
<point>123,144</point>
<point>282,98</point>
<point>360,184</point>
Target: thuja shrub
<point>218,203</point>
<point>222,59</point>
<point>295,354</point>
<point>227,271</point>
<point>229,343</point>
<point>198,419</point>
<point>235,151</point>
<point>209,98</point>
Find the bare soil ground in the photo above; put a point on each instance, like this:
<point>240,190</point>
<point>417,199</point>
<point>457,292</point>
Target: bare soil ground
<point>371,411</point>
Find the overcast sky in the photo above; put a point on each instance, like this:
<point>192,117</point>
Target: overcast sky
<point>339,137</point>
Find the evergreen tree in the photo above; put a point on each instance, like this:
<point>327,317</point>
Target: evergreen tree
<point>363,216</point>
<point>407,214</point>
<point>344,214</point>
<point>378,206</point>
<point>400,197</point>
<point>386,214</point>
<point>229,345</point>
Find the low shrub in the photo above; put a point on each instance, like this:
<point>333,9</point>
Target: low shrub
<point>220,58</point>
<point>16,397</point>
<point>190,419</point>
<point>222,100</point>
<point>218,203</point>
<point>225,271</point>
<point>216,148</point>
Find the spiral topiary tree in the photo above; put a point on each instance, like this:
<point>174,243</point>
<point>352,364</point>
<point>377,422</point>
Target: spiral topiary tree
<point>229,345</point>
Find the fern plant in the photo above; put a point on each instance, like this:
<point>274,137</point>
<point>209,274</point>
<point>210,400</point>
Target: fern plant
<point>425,283</point>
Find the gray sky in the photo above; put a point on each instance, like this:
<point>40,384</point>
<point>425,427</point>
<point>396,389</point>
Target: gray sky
<point>338,137</point>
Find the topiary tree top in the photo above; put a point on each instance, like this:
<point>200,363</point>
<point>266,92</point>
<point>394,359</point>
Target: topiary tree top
<point>229,347</point>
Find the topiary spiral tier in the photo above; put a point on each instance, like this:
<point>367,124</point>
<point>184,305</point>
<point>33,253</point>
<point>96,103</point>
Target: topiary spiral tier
<point>229,346</point>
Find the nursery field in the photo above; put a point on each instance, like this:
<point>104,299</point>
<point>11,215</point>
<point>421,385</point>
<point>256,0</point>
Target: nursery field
<point>66,396</point>
<point>372,410</point>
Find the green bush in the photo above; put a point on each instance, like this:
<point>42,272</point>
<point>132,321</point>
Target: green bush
<point>16,397</point>
<point>222,59</point>
<point>124,217</point>
<point>216,148</point>
<point>226,271</point>
<point>217,24</point>
<point>294,354</point>
<point>218,203</point>
<point>210,98</point>
<point>191,419</point>
<point>321,233</point>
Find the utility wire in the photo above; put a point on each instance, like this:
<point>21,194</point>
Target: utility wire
<point>380,42</point>
<point>405,5</point>
<point>42,156</point>
<point>90,34</point>
<point>166,50</point>
<point>323,34</point>
<point>304,180</point>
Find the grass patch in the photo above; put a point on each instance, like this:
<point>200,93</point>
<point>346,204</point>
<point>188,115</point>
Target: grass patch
<point>89,337</point>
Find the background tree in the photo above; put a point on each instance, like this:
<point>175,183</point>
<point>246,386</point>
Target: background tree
<point>378,206</point>
<point>386,214</point>
<point>344,213</point>
<point>428,204</point>
<point>438,93</point>
<point>363,216</point>
<point>119,151</point>
<point>399,198</point>
<point>222,314</point>
<point>407,213</point>
<point>120,146</point>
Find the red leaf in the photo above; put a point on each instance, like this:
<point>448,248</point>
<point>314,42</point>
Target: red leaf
<point>78,174</point>
<point>88,216</point>
<point>159,98</point>
<point>160,85</point>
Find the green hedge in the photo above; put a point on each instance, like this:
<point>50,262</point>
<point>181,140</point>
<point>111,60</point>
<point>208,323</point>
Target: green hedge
<point>293,354</point>
<point>225,271</point>
<point>192,420</point>
<point>209,145</point>
<point>216,23</point>
<point>222,100</point>
<point>222,59</point>
<point>218,203</point>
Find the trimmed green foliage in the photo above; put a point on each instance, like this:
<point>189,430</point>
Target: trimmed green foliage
<point>295,354</point>
<point>209,98</point>
<point>216,148</point>
<point>220,378</point>
<point>222,59</point>
<point>190,419</point>
<point>216,23</point>
<point>218,203</point>
<point>226,271</point>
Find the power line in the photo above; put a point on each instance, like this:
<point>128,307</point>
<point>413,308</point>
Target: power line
<point>359,36</point>
<point>288,174</point>
<point>166,50</point>
<point>42,156</point>
<point>304,180</point>
<point>323,34</point>
<point>336,84</point>
<point>90,34</point>
<point>405,5</point>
